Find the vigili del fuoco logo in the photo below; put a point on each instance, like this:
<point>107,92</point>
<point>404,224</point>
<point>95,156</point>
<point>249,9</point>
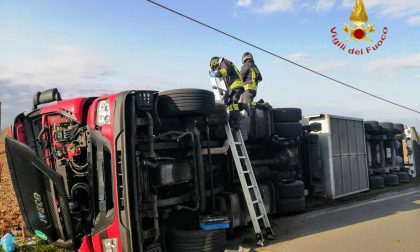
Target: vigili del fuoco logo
<point>359,32</point>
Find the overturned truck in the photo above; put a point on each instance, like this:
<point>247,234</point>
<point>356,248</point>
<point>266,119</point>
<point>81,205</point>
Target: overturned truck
<point>143,170</point>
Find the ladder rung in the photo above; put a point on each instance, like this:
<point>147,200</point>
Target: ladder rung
<point>255,201</point>
<point>241,157</point>
<point>251,186</point>
<point>260,217</point>
<point>246,171</point>
<point>238,143</point>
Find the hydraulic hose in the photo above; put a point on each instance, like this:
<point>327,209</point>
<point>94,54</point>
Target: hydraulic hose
<point>210,163</point>
<point>200,166</point>
<point>196,186</point>
<point>168,134</point>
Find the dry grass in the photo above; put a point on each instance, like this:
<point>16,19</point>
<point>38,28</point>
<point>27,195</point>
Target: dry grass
<point>9,209</point>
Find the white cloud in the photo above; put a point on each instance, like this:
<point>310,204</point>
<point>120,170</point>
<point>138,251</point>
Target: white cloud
<point>271,6</point>
<point>297,57</point>
<point>392,65</point>
<point>324,5</point>
<point>329,66</point>
<point>414,20</point>
<point>244,3</point>
<point>68,65</point>
<point>266,6</point>
<point>75,71</point>
<point>407,9</point>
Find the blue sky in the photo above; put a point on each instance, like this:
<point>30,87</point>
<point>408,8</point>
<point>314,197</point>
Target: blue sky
<point>96,47</point>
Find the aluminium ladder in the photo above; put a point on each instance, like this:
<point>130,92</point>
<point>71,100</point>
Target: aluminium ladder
<point>246,175</point>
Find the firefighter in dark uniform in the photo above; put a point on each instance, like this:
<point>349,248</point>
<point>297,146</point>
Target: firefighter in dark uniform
<point>251,76</point>
<point>226,70</point>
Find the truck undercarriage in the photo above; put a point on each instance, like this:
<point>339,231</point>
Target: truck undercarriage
<point>141,170</point>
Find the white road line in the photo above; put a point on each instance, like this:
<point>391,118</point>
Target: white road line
<point>339,209</point>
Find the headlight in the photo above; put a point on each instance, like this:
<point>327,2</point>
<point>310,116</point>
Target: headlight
<point>109,245</point>
<point>103,113</point>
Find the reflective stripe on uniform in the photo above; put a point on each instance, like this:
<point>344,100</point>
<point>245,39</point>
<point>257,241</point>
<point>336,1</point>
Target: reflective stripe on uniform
<point>250,87</point>
<point>236,84</point>
<point>237,72</point>
<point>223,71</point>
<point>233,107</point>
<point>253,84</point>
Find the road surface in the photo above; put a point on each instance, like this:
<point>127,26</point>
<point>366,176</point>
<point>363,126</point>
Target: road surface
<point>390,222</point>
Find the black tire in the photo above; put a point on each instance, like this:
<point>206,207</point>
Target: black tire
<point>372,126</point>
<point>387,127</point>
<point>173,103</point>
<point>218,132</point>
<point>287,114</point>
<point>398,128</point>
<point>403,177</point>
<point>219,115</point>
<point>294,189</point>
<point>376,182</point>
<point>219,108</point>
<point>196,240</point>
<point>391,180</point>
<point>289,206</point>
<point>288,129</point>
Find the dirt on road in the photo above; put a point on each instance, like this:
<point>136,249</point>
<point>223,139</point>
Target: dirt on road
<point>9,209</point>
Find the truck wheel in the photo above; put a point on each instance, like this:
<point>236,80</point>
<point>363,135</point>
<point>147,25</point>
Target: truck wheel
<point>387,127</point>
<point>287,114</point>
<point>376,182</point>
<point>295,189</point>
<point>219,114</point>
<point>372,126</point>
<point>398,128</point>
<point>196,240</point>
<point>403,177</point>
<point>186,101</point>
<point>288,129</point>
<point>391,180</point>
<point>288,206</point>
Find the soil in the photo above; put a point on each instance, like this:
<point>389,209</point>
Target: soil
<point>10,216</point>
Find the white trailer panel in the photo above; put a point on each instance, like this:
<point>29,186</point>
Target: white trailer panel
<point>343,152</point>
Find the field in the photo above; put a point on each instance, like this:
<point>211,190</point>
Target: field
<point>9,210</point>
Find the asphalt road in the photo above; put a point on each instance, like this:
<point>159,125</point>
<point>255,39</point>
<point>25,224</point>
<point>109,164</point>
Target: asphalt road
<point>390,222</point>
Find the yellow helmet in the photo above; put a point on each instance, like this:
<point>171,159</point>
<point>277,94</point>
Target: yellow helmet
<point>215,62</point>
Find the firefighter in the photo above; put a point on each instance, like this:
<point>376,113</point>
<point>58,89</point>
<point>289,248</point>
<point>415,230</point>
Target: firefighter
<point>226,70</point>
<point>251,76</point>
